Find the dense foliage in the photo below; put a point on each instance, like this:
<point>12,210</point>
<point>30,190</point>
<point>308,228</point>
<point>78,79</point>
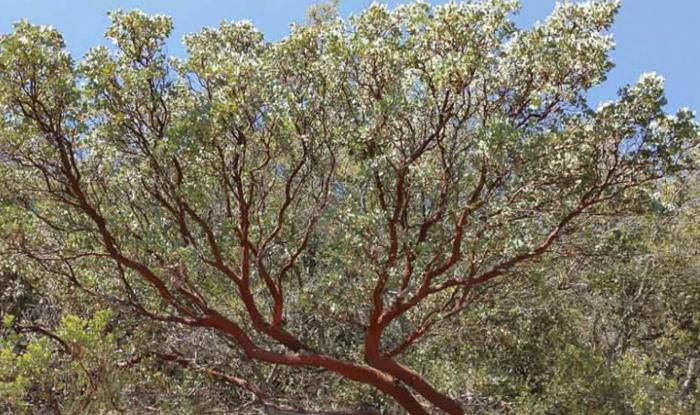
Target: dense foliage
<point>414,210</point>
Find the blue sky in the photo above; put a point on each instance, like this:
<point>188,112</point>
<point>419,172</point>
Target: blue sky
<point>651,35</point>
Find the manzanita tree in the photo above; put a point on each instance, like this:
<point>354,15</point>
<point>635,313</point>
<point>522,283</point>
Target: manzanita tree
<point>380,173</point>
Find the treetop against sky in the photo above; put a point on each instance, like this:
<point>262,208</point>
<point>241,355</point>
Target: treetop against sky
<point>651,35</point>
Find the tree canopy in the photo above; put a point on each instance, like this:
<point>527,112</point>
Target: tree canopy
<point>330,220</point>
